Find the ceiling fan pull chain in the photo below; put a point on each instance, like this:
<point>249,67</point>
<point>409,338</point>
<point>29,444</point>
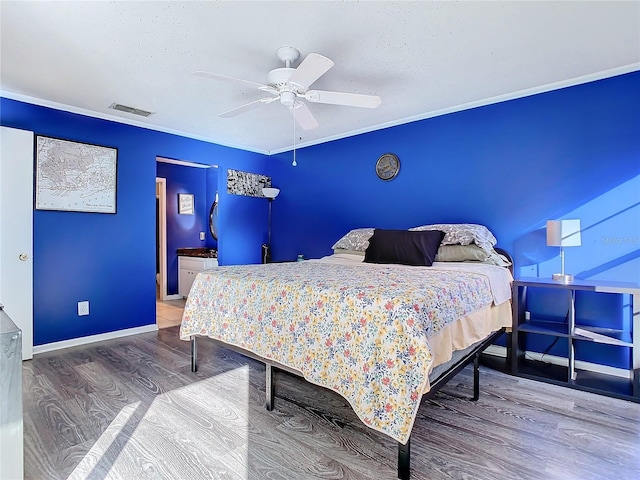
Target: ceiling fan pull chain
<point>294,141</point>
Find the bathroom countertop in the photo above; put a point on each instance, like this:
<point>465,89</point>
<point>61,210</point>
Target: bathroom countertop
<point>198,252</point>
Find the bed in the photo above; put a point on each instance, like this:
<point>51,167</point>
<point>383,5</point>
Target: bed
<point>382,335</point>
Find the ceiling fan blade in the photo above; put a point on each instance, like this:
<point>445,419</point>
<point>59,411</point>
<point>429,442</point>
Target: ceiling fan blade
<point>311,69</point>
<point>340,98</point>
<point>303,116</point>
<point>246,107</point>
<point>217,76</point>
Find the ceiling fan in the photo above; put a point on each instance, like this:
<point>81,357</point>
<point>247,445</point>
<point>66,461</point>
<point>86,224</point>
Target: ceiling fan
<point>291,85</point>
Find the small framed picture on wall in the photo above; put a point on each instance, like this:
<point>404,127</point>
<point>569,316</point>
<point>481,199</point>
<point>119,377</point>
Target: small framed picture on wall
<point>185,204</point>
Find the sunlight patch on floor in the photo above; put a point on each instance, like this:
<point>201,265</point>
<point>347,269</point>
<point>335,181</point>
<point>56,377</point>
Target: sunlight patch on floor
<point>94,456</point>
<point>189,432</point>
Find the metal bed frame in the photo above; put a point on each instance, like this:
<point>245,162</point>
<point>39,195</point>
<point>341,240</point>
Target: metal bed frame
<point>404,450</point>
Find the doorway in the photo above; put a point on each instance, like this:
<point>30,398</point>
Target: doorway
<point>168,307</point>
<point>171,234</point>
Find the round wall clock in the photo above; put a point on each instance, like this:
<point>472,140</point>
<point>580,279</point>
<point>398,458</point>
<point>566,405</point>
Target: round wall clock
<point>388,166</point>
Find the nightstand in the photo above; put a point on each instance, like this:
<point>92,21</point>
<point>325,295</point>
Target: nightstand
<point>577,330</point>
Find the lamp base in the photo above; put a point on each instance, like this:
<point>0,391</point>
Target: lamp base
<point>562,277</point>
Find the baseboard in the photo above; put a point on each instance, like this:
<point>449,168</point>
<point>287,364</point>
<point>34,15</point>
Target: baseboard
<point>74,342</point>
<point>173,296</point>
<point>499,351</point>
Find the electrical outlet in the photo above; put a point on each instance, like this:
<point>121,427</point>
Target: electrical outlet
<point>83,308</point>
<point>201,235</point>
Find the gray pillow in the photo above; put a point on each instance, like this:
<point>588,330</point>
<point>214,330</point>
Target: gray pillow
<point>357,239</point>
<point>496,259</point>
<point>461,253</point>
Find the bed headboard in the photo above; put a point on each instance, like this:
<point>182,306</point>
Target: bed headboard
<point>506,254</point>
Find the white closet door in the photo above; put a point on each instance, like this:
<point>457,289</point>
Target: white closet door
<point>16,231</point>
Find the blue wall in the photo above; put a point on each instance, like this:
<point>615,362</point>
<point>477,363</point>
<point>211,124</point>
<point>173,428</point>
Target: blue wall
<point>570,153</point>
<point>183,231</point>
<point>511,166</point>
<point>110,259</point>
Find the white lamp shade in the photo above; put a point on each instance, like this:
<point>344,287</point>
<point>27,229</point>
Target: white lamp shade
<point>270,192</point>
<point>563,233</point>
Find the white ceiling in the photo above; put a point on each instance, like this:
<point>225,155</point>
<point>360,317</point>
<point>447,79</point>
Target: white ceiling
<point>422,58</point>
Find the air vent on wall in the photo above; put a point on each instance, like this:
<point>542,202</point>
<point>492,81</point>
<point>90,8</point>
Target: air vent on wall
<point>135,111</point>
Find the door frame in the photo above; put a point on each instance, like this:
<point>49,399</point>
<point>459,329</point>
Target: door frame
<point>161,195</point>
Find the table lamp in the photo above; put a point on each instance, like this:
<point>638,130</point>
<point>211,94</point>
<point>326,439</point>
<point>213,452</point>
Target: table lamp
<point>563,233</point>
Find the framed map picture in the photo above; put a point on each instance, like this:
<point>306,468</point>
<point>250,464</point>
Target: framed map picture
<point>75,177</point>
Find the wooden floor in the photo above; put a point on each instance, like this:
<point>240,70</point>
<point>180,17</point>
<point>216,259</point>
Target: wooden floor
<point>130,408</point>
<point>169,312</point>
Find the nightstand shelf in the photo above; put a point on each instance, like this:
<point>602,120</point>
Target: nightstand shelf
<point>542,327</point>
<point>609,336</point>
<point>537,370</point>
<point>572,332</point>
<point>593,382</point>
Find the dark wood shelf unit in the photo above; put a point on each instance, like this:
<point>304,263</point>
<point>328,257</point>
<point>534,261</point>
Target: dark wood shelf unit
<point>526,323</point>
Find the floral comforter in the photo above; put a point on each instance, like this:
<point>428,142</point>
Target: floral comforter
<point>360,330</point>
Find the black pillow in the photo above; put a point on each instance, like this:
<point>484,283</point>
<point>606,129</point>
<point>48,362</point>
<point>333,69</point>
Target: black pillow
<point>403,247</point>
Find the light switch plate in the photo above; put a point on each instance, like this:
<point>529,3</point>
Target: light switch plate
<point>201,235</point>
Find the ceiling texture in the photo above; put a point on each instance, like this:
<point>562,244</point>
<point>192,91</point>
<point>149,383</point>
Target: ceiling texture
<point>421,58</point>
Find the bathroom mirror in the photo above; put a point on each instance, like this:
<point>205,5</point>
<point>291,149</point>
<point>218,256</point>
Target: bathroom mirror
<point>213,220</point>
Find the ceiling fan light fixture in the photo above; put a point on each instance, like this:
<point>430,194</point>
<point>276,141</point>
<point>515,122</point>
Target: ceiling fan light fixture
<point>288,99</point>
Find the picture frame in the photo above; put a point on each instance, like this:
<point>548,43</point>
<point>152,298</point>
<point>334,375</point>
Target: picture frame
<point>74,176</point>
<point>185,204</point>
<point>246,183</point>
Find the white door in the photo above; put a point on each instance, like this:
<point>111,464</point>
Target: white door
<point>16,231</point>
